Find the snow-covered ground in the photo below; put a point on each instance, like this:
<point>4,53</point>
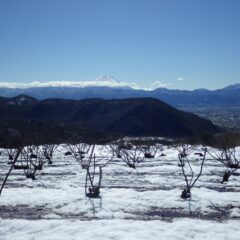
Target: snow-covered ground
<point>135,204</point>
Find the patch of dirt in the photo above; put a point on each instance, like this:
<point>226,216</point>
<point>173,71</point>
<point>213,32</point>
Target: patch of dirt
<point>170,214</point>
<point>23,212</point>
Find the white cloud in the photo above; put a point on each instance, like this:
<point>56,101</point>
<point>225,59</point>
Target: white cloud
<point>100,81</point>
<point>61,84</point>
<point>180,78</point>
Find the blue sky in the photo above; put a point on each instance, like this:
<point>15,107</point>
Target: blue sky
<point>184,44</point>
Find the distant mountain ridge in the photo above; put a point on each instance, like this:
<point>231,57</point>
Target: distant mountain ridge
<point>226,96</point>
<point>123,117</point>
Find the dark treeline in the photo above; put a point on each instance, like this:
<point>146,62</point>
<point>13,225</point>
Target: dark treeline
<point>97,117</point>
<point>38,133</point>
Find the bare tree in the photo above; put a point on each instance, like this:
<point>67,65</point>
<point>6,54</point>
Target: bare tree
<point>92,186</point>
<point>224,150</point>
<point>150,151</point>
<point>94,170</point>
<point>115,149</point>
<point>48,151</point>
<point>86,155</point>
<point>184,150</point>
<point>133,156</point>
<point>32,159</point>
<point>190,176</point>
<point>11,152</point>
<point>79,151</point>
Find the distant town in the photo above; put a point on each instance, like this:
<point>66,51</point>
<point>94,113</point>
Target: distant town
<point>224,116</point>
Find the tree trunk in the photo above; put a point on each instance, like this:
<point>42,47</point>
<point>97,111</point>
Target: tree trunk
<point>13,163</point>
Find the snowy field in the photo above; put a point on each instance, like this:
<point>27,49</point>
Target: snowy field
<point>135,204</point>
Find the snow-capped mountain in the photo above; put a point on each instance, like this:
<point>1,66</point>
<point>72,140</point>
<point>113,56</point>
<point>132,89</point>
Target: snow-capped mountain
<point>107,79</point>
